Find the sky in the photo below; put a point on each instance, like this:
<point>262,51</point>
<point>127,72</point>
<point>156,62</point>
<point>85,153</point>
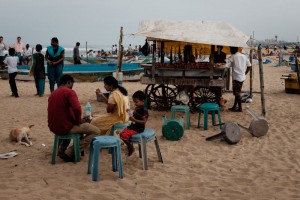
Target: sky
<point>98,21</point>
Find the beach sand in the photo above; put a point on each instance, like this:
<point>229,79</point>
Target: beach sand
<point>255,168</point>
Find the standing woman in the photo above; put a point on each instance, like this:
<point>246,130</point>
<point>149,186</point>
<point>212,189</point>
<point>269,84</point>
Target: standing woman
<point>55,55</point>
<point>38,70</point>
<point>117,103</point>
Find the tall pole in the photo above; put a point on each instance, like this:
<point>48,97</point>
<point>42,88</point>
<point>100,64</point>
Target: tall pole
<point>251,73</point>
<point>262,86</point>
<point>120,52</point>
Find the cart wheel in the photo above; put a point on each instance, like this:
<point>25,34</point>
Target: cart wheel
<point>148,92</point>
<point>163,96</point>
<point>203,95</point>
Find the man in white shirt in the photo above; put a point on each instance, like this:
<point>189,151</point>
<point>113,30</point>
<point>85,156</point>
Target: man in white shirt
<point>2,48</point>
<point>19,48</point>
<point>240,67</point>
<point>27,54</point>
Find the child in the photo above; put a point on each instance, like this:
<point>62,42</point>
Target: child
<point>38,70</point>
<point>12,63</point>
<point>139,118</point>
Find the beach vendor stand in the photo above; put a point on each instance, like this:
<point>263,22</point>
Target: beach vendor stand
<point>185,44</point>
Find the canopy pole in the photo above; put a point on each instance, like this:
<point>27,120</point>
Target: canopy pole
<point>120,52</point>
<point>212,61</point>
<point>86,52</point>
<point>262,86</point>
<point>162,52</point>
<point>297,70</point>
<point>153,59</point>
<point>251,73</point>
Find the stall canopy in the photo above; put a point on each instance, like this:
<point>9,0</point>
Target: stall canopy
<point>201,34</point>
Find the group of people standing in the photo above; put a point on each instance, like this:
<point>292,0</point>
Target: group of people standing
<point>54,57</point>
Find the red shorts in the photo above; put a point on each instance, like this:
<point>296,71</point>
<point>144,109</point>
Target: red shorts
<point>127,133</point>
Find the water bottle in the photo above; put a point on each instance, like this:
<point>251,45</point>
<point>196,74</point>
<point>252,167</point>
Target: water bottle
<point>88,110</point>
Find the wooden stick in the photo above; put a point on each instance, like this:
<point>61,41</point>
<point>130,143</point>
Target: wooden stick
<point>262,86</point>
<point>153,59</point>
<point>120,52</point>
<point>297,70</point>
<point>251,73</point>
<point>87,57</point>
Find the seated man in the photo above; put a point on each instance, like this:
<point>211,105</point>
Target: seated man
<point>64,117</point>
<point>27,55</point>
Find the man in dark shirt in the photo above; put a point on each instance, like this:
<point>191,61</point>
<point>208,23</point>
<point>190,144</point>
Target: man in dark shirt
<point>64,117</point>
<point>76,55</point>
<point>219,55</point>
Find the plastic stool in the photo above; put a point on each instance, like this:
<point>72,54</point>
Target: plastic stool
<point>117,127</point>
<point>182,108</point>
<point>142,138</point>
<point>74,137</point>
<point>172,129</point>
<point>104,142</point>
<point>206,108</point>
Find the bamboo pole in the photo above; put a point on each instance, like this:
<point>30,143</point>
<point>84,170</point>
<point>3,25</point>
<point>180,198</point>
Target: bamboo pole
<point>251,73</point>
<point>153,59</point>
<point>262,86</point>
<point>120,52</point>
<point>297,70</point>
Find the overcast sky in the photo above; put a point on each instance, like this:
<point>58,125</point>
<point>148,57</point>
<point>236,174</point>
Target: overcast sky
<point>99,21</point>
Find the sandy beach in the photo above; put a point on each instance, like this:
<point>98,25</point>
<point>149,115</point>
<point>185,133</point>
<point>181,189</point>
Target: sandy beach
<point>255,168</point>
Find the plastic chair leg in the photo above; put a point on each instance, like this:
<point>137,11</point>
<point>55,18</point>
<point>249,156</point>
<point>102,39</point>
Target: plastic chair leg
<point>144,154</point>
<point>55,147</point>
<point>220,120</point>
<point>90,162</point>
<point>187,116</point>
<point>119,160</point>
<point>205,119</point>
<point>158,150</point>
<point>114,158</point>
<point>95,163</point>
<point>76,148</point>
<point>173,114</point>
<point>213,117</point>
<point>199,118</point>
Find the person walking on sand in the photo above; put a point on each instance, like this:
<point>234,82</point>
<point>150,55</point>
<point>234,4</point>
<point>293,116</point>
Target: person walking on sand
<point>12,63</point>
<point>240,67</point>
<point>76,55</point>
<point>2,54</point>
<point>19,48</point>
<point>55,55</point>
<point>64,117</point>
<point>138,118</point>
<point>38,70</point>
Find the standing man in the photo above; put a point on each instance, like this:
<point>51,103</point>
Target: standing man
<point>64,117</point>
<point>240,67</point>
<point>20,48</point>
<point>2,48</point>
<point>55,55</point>
<point>76,55</point>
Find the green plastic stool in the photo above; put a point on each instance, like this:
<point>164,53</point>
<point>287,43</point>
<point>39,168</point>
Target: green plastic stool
<point>207,108</point>
<point>182,108</point>
<point>172,129</point>
<point>74,137</point>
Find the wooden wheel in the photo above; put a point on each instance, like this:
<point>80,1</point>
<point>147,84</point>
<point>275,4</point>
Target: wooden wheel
<point>205,94</point>
<point>162,96</point>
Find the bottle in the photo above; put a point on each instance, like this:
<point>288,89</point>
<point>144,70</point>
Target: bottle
<point>88,110</point>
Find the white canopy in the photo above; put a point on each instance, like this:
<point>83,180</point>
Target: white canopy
<point>199,32</point>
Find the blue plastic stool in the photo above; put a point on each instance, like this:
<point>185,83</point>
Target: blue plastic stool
<point>206,108</point>
<point>142,138</point>
<point>182,108</point>
<point>74,137</point>
<point>117,127</point>
<point>104,142</point>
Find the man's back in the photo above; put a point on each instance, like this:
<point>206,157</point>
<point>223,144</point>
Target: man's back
<point>240,63</point>
<point>64,110</point>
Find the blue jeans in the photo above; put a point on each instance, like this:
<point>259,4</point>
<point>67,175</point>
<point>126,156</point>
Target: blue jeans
<point>54,75</point>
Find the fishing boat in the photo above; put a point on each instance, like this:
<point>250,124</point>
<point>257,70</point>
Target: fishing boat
<point>86,72</point>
